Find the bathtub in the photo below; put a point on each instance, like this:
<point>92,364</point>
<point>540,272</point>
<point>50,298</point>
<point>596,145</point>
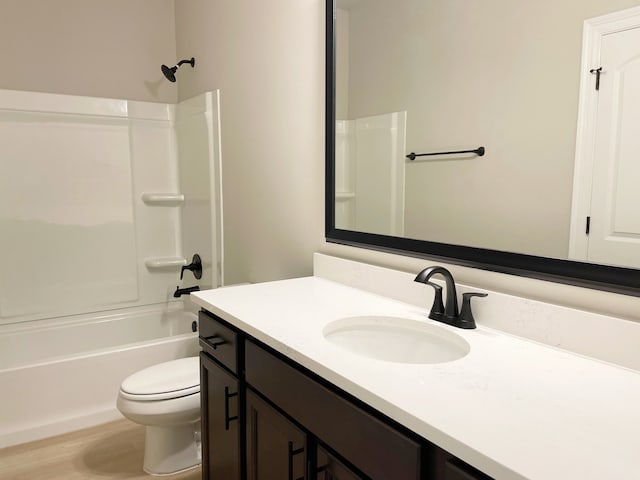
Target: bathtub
<point>63,374</point>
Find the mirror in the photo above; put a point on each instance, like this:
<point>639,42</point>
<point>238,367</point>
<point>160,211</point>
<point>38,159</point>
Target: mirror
<point>446,76</point>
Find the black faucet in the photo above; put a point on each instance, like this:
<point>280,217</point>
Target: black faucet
<point>185,291</point>
<point>449,313</point>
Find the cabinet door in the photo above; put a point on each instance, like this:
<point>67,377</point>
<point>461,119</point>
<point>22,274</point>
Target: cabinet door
<point>375,448</point>
<point>219,392</point>
<point>330,468</point>
<point>276,449</point>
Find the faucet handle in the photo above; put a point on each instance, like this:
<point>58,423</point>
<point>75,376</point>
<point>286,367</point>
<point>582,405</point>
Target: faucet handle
<point>466,319</point>
<point>437,309</point>
<point>195,266</point>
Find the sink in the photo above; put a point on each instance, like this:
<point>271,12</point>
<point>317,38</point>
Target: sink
<point>395,339</point>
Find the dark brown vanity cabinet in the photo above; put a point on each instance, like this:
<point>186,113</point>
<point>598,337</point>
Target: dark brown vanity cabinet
<point>448,467</point>
<point>220,402</point>
<point>265,417</point>
<point>276,448</point>
<point>330,468</point>
<point>376,449</point>
<point>220,421</point>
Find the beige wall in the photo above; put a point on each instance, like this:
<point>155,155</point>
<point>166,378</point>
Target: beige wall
<point>267,59</point>
<point>268,63</point>
<point>102,48</point>
<point>504,75</point>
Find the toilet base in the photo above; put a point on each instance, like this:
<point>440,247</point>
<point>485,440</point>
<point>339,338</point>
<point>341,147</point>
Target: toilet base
<point>172,449</point>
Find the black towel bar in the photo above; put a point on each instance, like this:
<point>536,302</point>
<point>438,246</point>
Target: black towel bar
<point>478,151</point>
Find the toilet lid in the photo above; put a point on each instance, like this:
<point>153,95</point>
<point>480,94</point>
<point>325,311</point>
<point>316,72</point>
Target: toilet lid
<point>169,379</point>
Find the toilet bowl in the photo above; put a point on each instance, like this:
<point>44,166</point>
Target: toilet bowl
<point>165,398</point>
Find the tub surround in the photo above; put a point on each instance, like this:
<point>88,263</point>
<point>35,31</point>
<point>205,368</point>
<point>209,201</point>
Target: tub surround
<point>118,252</point>
<point>142,209</point>
<point>120,149</point>
<point>513,408</point>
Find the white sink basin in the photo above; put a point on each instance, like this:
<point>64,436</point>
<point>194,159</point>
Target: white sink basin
<point>395,339</point>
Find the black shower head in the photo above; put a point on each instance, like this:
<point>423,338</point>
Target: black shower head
<point>170,72</point>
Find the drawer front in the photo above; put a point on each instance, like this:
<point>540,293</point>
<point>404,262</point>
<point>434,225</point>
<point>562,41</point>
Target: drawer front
<point>219,341</point>
<point>375,448</point>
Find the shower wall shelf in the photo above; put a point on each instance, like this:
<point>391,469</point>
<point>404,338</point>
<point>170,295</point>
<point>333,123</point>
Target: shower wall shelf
<point>344,196</point>
<point>162,198</point>
<point>165,262</point>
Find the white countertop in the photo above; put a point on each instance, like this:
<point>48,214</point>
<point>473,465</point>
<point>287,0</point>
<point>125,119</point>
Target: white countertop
<point>514,409</point>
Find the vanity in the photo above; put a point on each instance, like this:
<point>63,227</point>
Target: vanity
<point>281,399</point>
<point>537,391</point>
<point>277,419</point>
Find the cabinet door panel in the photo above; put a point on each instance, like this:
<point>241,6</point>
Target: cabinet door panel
<point>330,468</point>
<point>276,449</point>
<point>376,449</point>
<point>220,422</point>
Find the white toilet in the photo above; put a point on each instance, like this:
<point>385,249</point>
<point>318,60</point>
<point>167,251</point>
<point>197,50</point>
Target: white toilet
<point>166,399</point>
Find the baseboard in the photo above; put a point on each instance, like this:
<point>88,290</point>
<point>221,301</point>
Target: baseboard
<point>58,428</point>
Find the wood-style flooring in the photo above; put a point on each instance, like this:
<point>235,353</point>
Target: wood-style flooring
<point>111,451</point>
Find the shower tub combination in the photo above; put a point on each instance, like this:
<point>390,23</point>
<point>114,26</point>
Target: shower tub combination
<point>65,374</point>
<point>69,267</point>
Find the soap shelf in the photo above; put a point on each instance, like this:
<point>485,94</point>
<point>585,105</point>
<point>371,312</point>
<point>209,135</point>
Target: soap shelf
<point>165,262</point>
<point>162,198</point>
<point>344,196</point>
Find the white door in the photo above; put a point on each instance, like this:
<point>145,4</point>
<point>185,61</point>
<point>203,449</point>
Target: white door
<point>612,199</point>
<point>614,236</point>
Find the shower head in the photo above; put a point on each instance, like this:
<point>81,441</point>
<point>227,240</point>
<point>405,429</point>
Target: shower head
<point>170,72</point>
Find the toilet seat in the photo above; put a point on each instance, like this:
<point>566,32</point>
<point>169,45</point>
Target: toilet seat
<point>174,379</point>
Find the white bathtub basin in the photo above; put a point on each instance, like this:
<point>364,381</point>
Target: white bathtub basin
<point>79,363</point>
<point>395,339</point>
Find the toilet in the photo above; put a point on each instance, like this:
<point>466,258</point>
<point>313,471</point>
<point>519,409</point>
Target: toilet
<point>165,398</point>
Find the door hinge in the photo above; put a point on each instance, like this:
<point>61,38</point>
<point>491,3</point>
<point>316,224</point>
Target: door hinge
<point>596,72</point>
<point>588,225</point>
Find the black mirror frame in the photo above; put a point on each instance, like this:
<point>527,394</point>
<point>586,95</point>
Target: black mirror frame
<point>601,277</point>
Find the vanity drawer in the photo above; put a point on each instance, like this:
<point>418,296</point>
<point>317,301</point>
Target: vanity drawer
<point>373,447</point>
<point>218,340</point>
